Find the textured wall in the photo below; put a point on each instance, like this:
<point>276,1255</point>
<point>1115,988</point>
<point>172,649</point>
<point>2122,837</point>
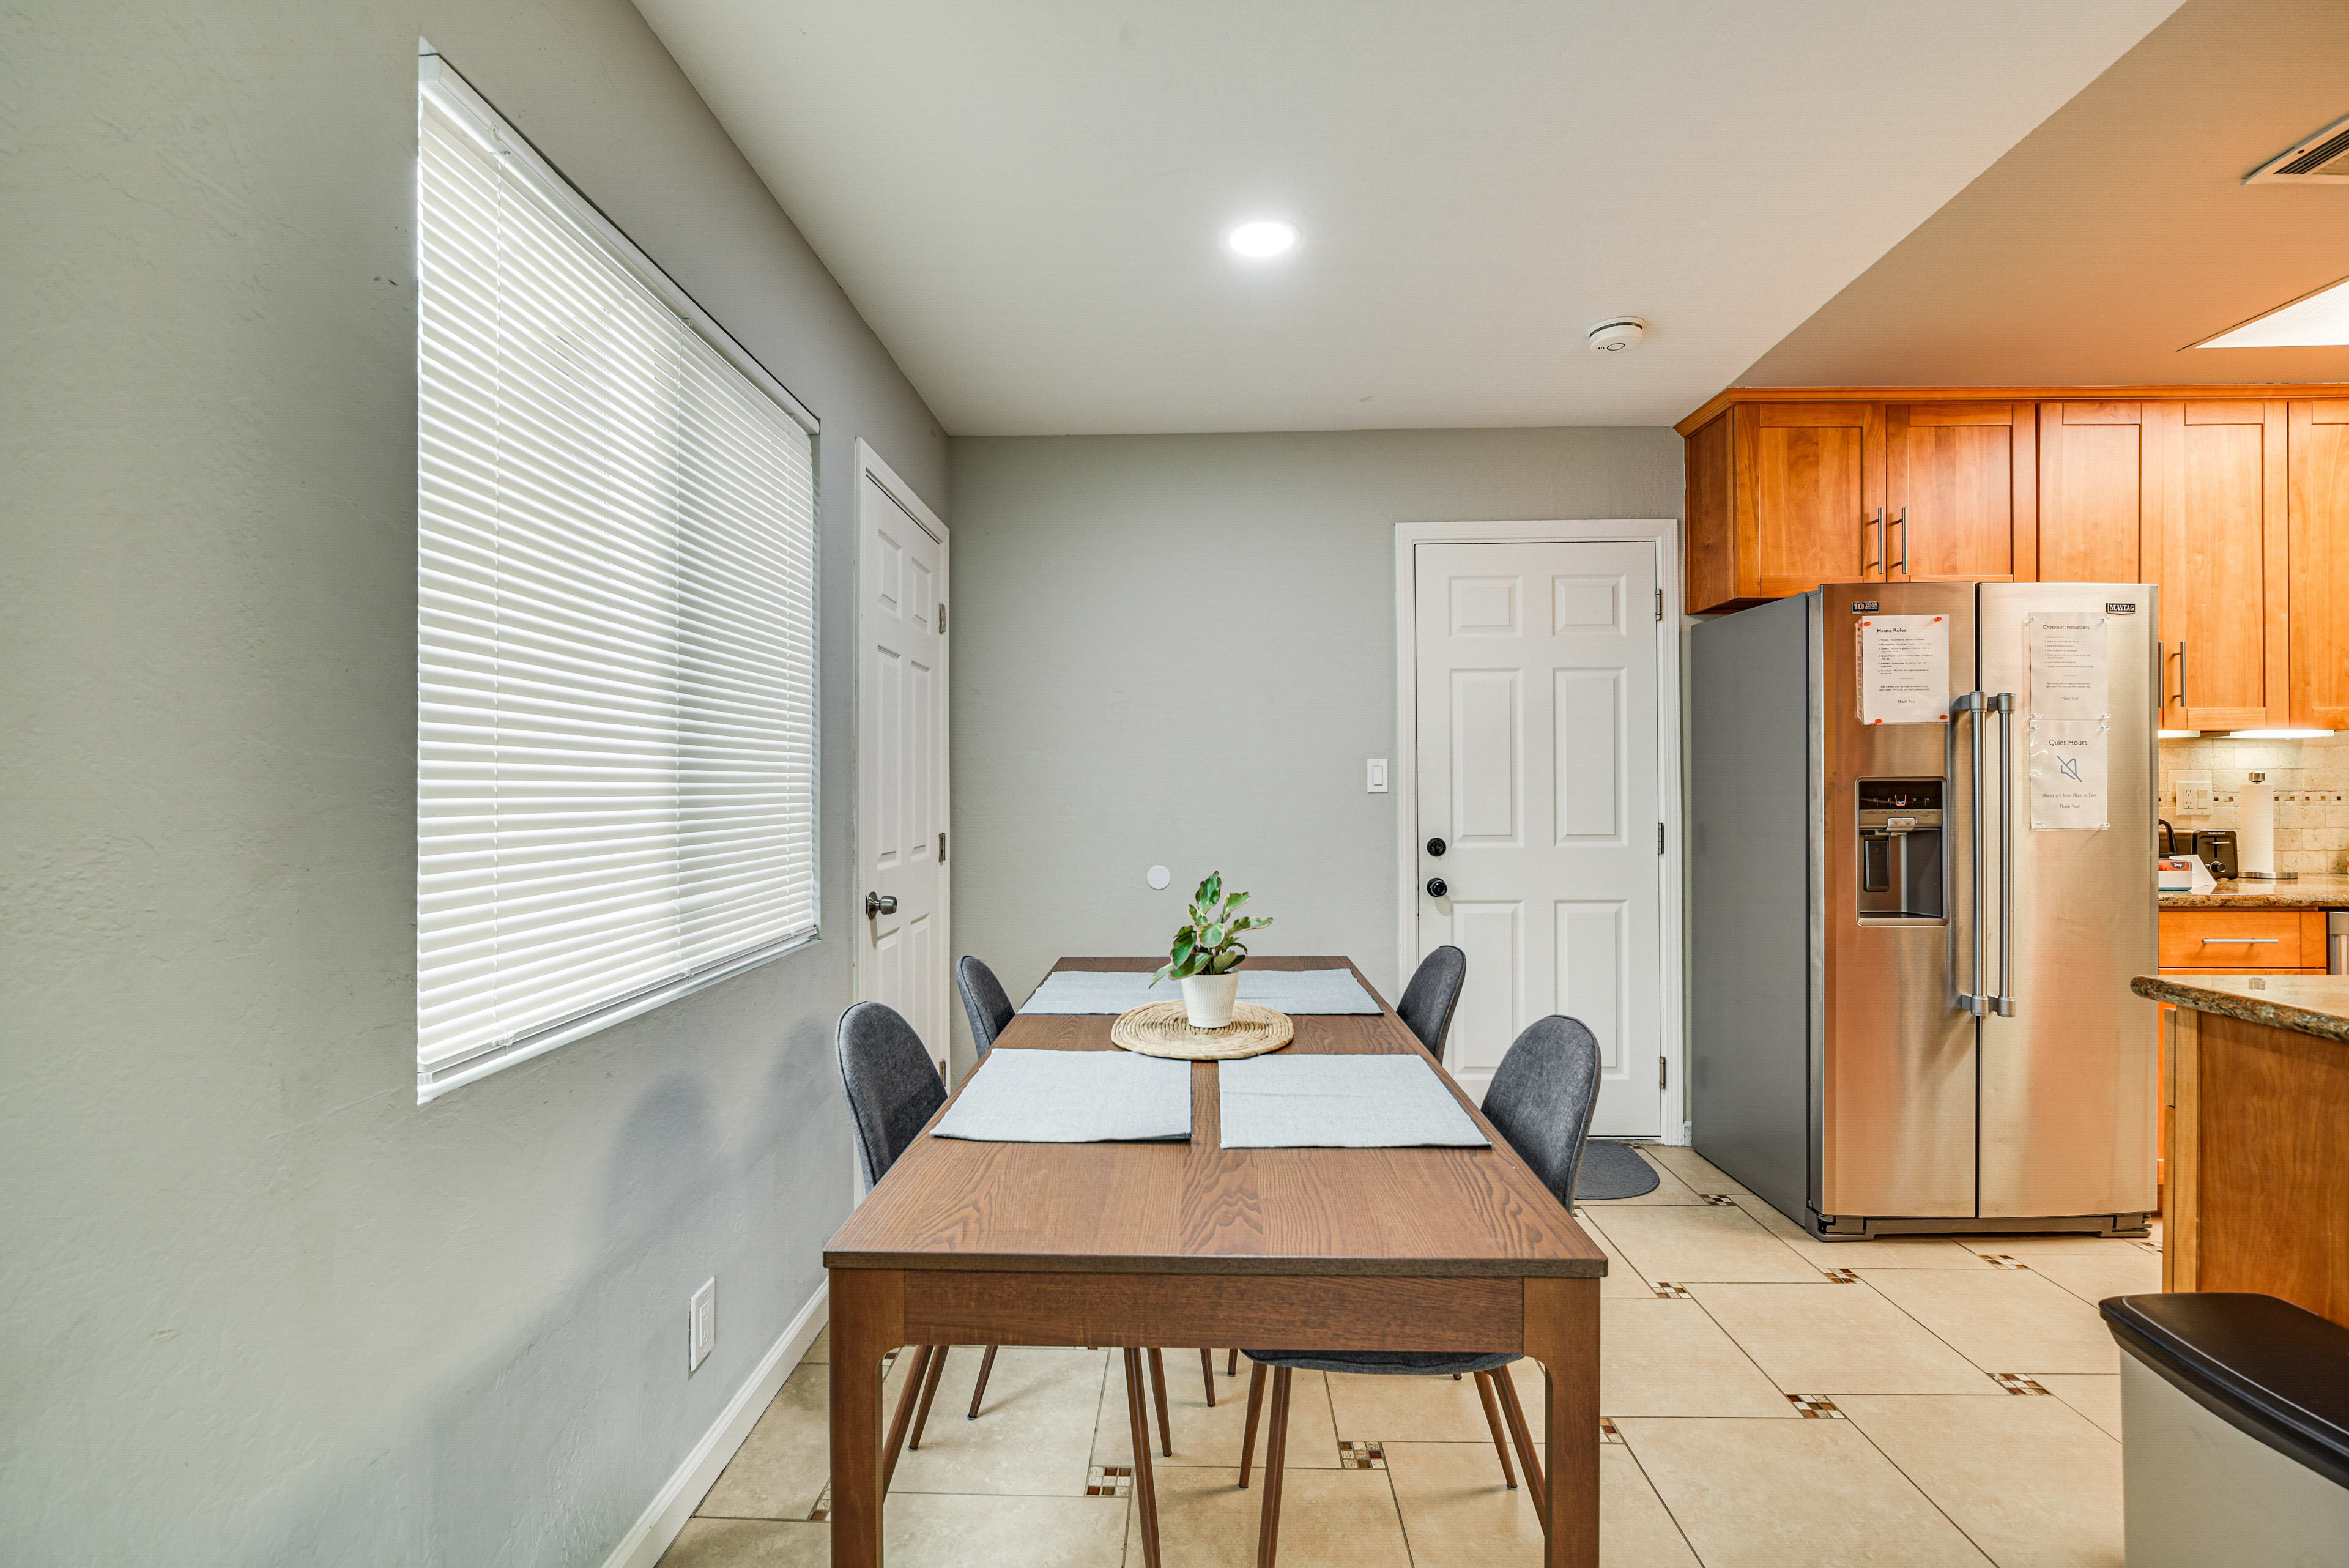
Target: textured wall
<point>1180,649</point>
<point>2311,778</point>
<point>256,1305</point>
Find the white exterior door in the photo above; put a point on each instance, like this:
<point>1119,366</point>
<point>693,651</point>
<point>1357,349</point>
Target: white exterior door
<point>1539,764</point>
<point>901,757</point>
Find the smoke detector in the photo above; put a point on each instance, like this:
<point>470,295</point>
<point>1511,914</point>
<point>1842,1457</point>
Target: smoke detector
<point>2324,157</point>
<point>1616,334</point>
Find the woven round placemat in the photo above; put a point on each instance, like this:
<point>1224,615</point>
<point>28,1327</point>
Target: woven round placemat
<point>1164,1029</point>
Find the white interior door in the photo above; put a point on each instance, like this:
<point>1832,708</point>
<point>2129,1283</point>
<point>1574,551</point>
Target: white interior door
<point>1538,769</point>
<point>901,901</point>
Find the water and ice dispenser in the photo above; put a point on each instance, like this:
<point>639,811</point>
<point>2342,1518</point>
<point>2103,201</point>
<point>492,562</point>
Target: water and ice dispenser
<point>1900,849</point>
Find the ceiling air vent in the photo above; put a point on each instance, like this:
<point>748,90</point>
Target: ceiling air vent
<point>2324,156</point>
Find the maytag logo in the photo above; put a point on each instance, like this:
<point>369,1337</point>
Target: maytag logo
<point>2120,609</point>
<point>1864,606</point>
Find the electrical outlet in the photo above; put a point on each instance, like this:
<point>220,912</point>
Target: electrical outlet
<point>701,1334</point>
<point>2193,797</point>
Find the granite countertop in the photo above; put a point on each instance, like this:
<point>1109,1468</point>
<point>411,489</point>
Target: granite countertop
<point>2314,1005</point>
<point>2313,890</point>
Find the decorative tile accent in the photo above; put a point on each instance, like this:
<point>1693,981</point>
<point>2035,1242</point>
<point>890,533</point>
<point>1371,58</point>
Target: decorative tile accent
<point>1719,1200</point>
<point>1110,1481</point>
<point>2016,1383</point>
<point>1817,1405</point>
<point>1606,1432</point>
<point>1667,1289</point>
<point>1356,1455</point>
<point>822,1510</point>
<point>1840,1276</point>
<point>2001,1261</point>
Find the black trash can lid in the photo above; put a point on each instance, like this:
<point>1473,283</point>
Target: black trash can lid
<point>2274,1370</point>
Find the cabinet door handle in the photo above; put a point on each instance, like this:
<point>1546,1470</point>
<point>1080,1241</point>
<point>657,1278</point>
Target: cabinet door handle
<point>2238,941</point>
<point>1900,523</point>
<point>1873,529</point>
<point>2181,676</point>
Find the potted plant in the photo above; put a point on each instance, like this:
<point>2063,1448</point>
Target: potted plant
<point>1206,952</point>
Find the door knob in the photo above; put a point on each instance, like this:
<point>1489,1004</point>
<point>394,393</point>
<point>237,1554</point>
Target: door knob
<point>876,904</point>
<point>1438,887</point>
<point>1435,847</point>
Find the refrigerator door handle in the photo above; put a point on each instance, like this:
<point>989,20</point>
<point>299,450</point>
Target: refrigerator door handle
<point>2002,1001</point>
<point>1973,704</point>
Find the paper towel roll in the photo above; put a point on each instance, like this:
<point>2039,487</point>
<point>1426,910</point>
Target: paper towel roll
<point>2255,828</point>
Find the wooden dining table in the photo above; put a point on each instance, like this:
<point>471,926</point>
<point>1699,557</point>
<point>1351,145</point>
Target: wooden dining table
<point>1194,1245</point>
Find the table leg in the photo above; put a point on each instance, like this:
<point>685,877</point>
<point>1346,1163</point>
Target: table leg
<point>868,1320</point>
<point>1562,1333</point>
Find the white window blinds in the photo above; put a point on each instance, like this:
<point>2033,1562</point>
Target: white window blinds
<point>615,649</point>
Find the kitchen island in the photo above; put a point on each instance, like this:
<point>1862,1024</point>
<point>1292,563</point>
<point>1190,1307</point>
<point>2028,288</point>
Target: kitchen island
<point>2309,890</point>
<point>2255,1110</point>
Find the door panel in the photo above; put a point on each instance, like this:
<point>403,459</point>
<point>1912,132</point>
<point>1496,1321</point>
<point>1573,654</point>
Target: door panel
<point>2223,563</point>
<point>1539,765</point>
<point>901,764</point>
<point>2095,524</point>
<point>1814,493</point>
<point>2319,441</point>
<point>1959,492</point>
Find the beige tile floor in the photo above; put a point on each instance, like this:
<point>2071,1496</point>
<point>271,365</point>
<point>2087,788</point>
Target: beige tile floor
<point>1717,1317</point>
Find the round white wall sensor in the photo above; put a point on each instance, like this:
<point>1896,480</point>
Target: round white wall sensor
<point>1617,335</point>
<point>1158,876</point>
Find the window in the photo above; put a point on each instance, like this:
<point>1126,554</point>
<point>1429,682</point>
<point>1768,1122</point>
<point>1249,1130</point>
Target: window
<point>616,621</point>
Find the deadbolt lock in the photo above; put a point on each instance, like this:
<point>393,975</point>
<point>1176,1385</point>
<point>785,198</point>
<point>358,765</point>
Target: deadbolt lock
<point>1435,847</point>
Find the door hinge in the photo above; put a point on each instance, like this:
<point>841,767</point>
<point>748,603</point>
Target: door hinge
<point>1659,603</point>
<point>942,849</point>
<point>1662,1063</point>
<point>942,618</point>
<point>1659,838</point>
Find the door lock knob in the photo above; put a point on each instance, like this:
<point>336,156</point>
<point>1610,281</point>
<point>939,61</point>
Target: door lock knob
<point>877,904</point>
<point>1438,887</point>
<point>1435,847</point>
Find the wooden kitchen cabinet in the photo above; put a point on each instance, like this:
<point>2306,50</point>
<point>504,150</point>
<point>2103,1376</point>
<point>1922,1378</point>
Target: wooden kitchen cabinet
<point>1961,492</point>
<point>2317,440</point>
<point>2223,576</point>
<point>2099,520</point>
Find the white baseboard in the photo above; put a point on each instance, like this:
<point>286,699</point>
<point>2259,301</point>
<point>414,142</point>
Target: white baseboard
<point>664,1516</point>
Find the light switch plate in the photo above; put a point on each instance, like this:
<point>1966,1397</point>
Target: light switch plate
<point>702,1332</point>
<point>1378,776</point>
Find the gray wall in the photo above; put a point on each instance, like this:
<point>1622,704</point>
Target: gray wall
<point>1179,649</point>
<point>255,1305</point>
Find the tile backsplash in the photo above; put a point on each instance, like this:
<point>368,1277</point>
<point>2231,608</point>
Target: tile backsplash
<point>2311,789</point>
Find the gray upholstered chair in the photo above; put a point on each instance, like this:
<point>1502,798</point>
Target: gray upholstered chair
<point>983,1002</point>
<point>1540,1101</point>
<point>1434,992</point>
<point>893,1091</point>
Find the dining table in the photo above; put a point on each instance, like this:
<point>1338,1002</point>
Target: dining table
<point>1191,1244</point>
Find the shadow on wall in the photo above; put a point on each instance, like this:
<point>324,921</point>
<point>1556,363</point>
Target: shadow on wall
<point>463,1477</point>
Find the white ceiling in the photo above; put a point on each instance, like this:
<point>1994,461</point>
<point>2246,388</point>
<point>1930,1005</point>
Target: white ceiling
<point>1025,199</point>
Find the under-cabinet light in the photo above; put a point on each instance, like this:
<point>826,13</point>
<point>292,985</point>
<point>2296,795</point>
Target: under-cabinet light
<point>2277,734</point>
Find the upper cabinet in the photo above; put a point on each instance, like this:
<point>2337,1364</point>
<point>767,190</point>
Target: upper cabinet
<point>1784,496</point>
<point>2224,584</point>
<point>2318,441</point>
<point>2095,524</point>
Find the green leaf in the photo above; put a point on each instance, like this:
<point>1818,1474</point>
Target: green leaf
<point>1212,937</point>
<point>1234,902</point>
<point>1211,891</point>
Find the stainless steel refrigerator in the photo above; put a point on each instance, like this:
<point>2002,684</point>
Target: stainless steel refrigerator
<point>1918,896</point>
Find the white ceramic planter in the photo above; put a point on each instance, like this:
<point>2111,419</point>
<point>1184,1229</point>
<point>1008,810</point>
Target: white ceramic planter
<point>1208,999</point>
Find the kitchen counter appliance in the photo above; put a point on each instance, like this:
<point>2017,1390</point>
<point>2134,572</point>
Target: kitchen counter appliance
<point>1919,891</point>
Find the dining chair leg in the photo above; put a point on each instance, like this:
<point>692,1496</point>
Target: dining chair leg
<point>1493,1419</point>
<point>1256,1403</point>
<point>985,1366</point>
<point>1207,1374</point>
<point>1145,1488</point>
<point>1158,1389</point>
<point>1508,1386</point>
<point>929,1392</point>
<point>1232,1362</point>
<point>916,1371</point>
<point>1276,1462</point>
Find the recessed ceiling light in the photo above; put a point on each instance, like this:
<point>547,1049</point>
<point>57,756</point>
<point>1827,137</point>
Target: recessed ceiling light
<point>1265,237</point>
<point>2319,321</point>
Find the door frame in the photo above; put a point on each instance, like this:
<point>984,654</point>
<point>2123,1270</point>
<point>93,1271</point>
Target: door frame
<point>1665,534</point>
<point>869,465</point>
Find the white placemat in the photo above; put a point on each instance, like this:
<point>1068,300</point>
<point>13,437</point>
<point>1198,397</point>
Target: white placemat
<point>1289,991</point>
<point>1072,1096</point>
<point>1340,1102</point>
